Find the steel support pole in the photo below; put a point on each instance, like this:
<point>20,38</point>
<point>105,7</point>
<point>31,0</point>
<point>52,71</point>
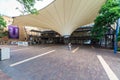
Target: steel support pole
<point>116,36</point>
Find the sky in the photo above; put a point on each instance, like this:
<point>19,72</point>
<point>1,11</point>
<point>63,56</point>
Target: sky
<point>8,7</point>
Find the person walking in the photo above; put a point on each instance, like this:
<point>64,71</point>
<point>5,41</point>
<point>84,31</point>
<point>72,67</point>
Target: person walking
<point>69,46</point>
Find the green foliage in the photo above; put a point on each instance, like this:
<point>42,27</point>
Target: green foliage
<point>2,26</point>
<point>118,49</point>
<point>3,33</point>
<point>2,23</point>
<point>108,14</point>
<point>29,6</point>
<point>118,39</point>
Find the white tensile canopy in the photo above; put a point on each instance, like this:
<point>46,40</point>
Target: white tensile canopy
<point>63,16</point>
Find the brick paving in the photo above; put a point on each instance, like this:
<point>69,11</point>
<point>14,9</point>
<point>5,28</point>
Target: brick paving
<point>113,60</point>
<point>61,64</point>
<point>3,76</point>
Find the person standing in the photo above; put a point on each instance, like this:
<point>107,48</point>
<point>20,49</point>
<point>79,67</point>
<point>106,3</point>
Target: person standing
<point>69,46</point>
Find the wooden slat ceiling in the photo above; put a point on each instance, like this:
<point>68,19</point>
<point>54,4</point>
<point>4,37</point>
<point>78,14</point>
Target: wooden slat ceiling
<point>63,16</point>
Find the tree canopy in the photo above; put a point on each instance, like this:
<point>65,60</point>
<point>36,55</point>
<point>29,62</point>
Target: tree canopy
<point>2,26</point>
<point>29,6</point>
<point>2,22</point>
<point>108,15</point>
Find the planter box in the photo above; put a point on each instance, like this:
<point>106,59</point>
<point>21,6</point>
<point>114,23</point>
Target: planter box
<point>4,53</point>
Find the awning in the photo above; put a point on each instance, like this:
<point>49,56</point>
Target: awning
<point>63,16</point>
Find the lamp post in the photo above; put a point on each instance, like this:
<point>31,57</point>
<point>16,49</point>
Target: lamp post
<point>116,36</point>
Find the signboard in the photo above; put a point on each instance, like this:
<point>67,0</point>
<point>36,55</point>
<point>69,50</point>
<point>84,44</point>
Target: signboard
<point>13,32</point>
<point>22,43</point>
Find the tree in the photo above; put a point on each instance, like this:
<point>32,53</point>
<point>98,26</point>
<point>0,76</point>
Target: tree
<point>118,39</point>
<point>2,26</point>
<point>29,6</point>
<point>108,15</point>
<point>2,22</point>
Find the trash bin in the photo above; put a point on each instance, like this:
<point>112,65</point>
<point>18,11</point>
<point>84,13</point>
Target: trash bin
<point>4,53</point>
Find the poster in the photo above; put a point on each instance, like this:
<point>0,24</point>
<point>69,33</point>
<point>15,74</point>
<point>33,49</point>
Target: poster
<point>13,32</point>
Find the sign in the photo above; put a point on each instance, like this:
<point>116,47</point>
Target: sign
<point>13,32</point>
<point>22,43</point>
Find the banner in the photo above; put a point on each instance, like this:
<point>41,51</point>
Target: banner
<point>13,32</point>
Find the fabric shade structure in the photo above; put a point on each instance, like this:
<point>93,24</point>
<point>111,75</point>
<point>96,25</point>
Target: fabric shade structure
<point>63,16</point>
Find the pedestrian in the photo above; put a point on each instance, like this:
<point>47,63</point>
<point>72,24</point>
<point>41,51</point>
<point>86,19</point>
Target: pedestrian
<point>69,46</point>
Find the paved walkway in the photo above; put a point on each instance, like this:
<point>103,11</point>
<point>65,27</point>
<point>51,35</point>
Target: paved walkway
<point>3,76</point>
<point>56,62</point>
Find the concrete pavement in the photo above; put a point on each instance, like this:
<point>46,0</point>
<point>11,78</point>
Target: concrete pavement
<point>62,64</point>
